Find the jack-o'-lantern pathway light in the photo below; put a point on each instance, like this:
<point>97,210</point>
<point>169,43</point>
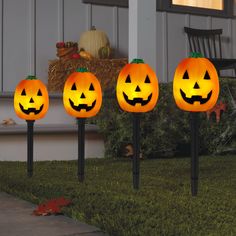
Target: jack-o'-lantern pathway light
<point>196,84</point>
<point>31,99</point>
<point>137,87</point>
<point>82,95</point>
<point>195,89</point>
<point>137,92</point>
<point>82,98</point>
<point>30,103</point>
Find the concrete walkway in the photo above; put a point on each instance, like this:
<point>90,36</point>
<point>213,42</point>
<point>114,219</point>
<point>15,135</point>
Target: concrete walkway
<point>16,219</point>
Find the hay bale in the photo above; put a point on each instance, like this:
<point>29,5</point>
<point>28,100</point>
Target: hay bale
<point>106,70</point>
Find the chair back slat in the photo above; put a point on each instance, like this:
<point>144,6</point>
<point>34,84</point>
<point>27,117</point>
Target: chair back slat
<point>194,44</point>
<point>207,42</point>
<point>209,48</point>
<point>190,44</point>
<point>204,46</point>
<point>198,45</point>
<point>214,46</point>
<point>219,38</point>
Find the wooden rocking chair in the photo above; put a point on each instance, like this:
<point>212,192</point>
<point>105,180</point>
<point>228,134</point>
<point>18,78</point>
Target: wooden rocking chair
<point>208,43</point>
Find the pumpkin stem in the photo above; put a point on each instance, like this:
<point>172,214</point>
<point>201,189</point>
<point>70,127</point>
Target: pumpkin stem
<point>82,69</point>
<point>137,61</point>
<point>195,55</point>
<point>31,77</point>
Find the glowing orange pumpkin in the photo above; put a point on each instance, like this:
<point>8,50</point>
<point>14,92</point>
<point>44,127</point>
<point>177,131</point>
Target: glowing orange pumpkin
<point>82,95</point>
<point>196,84</point>
<point>31,99</point>
<point>137,87</point>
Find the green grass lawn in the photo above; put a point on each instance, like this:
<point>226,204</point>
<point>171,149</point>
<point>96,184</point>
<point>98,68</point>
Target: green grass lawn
<point>162,206</point>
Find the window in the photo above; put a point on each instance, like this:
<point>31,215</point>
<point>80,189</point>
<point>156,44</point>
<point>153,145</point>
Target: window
<point>210,4</point>
<point>220,8</point>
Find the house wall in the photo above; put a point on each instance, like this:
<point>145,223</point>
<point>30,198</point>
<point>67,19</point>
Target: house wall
<point>29,30</point>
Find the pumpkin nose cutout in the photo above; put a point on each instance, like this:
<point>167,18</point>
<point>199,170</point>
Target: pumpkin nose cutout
<point>196,86</point>
<point>82,95</point>
<point>137,89</point>
<point>31,100</point>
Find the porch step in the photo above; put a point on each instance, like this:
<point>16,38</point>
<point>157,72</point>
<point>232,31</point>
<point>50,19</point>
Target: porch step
<point>55,136</point>
<point>51,142</point>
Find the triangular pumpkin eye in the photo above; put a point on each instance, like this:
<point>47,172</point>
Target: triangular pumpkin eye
<point>128,80</point>
<point>147,80</point>
<point>39,93</point>
<point>186,75</point>
<point>91,88</point>
<point>73,87</point>
<point>23,93</point>
<point>207,76</point>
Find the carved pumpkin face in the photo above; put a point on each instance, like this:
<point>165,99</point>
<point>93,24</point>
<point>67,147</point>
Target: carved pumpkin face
<point>82,95</point>
<point>195,85</point>
<point>31,99</point>
<point>137,87</point>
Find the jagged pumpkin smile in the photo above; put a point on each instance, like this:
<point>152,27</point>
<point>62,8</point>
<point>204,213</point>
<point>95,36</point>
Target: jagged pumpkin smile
<point>82,106</point>
<point>32,109</point>
<point>195,98</point>
<point>135,101</point>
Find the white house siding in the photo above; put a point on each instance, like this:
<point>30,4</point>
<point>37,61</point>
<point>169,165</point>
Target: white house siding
<point>29,30</point>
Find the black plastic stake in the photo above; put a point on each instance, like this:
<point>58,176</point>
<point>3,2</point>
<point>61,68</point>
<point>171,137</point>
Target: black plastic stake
<point>81,140</point>
<point>30,149</point>
<point>194,123</point>
<point>136,143</point>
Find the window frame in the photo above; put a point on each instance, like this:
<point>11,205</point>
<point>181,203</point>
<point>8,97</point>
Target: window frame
<point>116,3</point>
<point>166,5</point>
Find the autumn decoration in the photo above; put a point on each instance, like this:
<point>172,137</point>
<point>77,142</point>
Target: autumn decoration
<point>105,52</point>
<point>137,92</point>
<point>51,207</point>
<point>85,55</point>
<point>82,98</point>
<point>95,42</point>
<point>8,121</point>
<point>137,87</point>
<point>30,103</point>
<point>195,89</point>
<point>66,50</point>
<point>31,99</point>
<point>217,109</point>
<point>196,84</point>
